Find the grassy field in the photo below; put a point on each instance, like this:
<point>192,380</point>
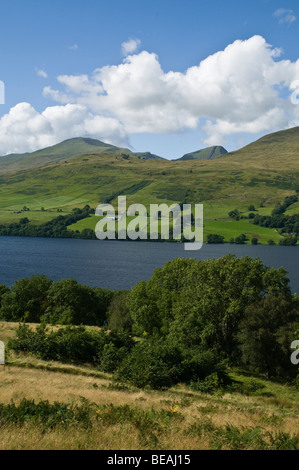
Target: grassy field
<point>66,186</point>
<point>232,228</point>
<point>227,228</point>
<point>262,414</point>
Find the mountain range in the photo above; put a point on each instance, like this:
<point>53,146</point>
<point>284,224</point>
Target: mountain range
<point>85,171</point>
<point>85,146</point>
<point>62,151</point>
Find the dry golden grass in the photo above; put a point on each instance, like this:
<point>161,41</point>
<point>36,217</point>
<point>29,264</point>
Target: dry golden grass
<point>194,416</point>
<point>237,410</point>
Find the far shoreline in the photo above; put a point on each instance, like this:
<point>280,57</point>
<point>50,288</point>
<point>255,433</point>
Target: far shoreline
<point>147,240</point>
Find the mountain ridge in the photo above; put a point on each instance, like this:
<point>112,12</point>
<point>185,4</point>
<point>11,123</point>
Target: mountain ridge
<point>259,175</point>
<point>86,146</point>
<point>261,152</point>
<point>208,153</point>
<point>65,150</point>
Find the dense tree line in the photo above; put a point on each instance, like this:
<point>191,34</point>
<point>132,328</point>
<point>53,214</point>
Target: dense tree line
<point>65,302</point>
<point>239,240</point>
<point>287,225</point>
<point>74,344</point>
<point>185,324</point>
<point>55,228</point>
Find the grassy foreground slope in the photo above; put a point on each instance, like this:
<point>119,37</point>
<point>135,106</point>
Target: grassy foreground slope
<point>261,174</point>
<point>81,408</point>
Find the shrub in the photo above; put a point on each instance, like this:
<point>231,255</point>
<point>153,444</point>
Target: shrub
<point>157,364</point>
<point>147,365</point>
<point>118,313</point>
<point>241,239</point>
<point>234,214</point>
<point>71,344</point>
<point>215,238</point>
<point>288,241</point>
<point>265,332</point>
<point>115,350</point>
<point>46,414</point>
<point>211,383</point>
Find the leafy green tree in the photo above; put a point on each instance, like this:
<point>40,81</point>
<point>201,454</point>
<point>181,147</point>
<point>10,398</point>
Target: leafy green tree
<point>87,233</point>
<point>150,363</point>
<point>150,302</point>
<point>118,313</point>
<point>3,290</point>
<point>265,335</point>
<point>241,239</point>
<point>288,241</point>
<point>202,302</point>
<point>104,297</point>
<point>73,303</point>
<point>217,302</point>
<point>214,238</point>
<point>27,299</point>
<point>115,350</point>
<point>234,214</point>
<point>24,221</point>
<point>158,363</point>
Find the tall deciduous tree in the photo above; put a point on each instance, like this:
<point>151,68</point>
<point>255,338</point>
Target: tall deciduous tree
<point>202,302</point>
<point>27,299</point>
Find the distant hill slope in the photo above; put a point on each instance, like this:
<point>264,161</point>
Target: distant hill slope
<point>208,153</point>
<point>67,149</point>
<point>276,150</point>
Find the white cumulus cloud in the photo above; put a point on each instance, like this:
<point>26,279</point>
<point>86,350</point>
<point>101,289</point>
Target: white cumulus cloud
<point>285,16</point>
<point>42,73</point>
<point>236,90</point>
<point>24,129</point>
<point>130,46</point>
<point>245,88</point>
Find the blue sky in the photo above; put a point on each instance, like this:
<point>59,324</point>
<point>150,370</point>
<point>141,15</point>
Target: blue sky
<point>151,93</point>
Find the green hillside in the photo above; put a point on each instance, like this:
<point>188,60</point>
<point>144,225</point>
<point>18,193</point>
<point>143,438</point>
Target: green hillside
<point>273,151</point>
<point>261,174</point>
<point>208,153</point>
<point>65,150</point>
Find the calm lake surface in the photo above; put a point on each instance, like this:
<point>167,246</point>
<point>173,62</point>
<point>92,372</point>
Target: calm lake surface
<point>119,264</point>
